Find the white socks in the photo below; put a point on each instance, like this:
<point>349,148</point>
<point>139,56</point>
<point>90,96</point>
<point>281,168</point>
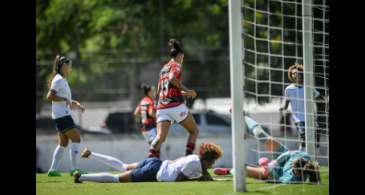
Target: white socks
<point>100,177</point>
<point>57,156</point>
<point>110,161</point>
<point>74,153</point>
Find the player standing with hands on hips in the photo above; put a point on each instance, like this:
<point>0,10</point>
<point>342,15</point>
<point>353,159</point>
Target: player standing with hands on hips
<point>62,104</point>
<point>171,105</point>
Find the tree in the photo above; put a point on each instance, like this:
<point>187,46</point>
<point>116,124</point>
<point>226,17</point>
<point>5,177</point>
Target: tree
<point>102,35</point>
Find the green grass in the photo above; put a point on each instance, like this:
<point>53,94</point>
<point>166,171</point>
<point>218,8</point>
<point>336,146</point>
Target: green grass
<point>64,186</point>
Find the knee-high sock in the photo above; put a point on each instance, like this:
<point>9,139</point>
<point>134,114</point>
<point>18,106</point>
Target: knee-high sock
<point>100,177</point>
<point>110,161</point>
<point>74,152</point>
<point>57,156</point>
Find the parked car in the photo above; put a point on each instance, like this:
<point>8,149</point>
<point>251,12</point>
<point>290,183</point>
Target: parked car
<point>208,122</point>
<point>120,122</point>
<point>45,123</point>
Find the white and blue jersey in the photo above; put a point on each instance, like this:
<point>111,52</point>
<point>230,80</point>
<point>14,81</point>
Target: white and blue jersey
<point>295,95</point>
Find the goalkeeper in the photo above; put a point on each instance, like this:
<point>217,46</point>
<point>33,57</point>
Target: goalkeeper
<point>290,167</point>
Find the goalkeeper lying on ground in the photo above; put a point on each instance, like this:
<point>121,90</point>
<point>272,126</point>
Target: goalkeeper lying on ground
<point>272,145</point>
<point>289,167</point>
<point>191,167</point>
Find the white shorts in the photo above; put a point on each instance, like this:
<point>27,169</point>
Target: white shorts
<point>178,114</point>
<point>149,135</point>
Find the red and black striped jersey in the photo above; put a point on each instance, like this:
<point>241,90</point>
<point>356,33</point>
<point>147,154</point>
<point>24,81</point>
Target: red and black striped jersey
<point>145,105</point>
<point>169,95</point>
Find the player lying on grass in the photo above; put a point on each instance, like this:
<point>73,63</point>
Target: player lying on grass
<point>191,167</point>
<point>290,167</point>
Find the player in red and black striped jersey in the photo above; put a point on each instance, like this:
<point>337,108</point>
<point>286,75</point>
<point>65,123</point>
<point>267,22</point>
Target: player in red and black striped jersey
<point>171,107</point>
<point>146,112</point>
<point>169,95</point>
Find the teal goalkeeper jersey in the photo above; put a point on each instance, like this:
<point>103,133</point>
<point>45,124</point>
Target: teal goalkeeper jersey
<point>283,169</point>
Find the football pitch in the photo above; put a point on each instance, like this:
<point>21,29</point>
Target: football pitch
<point>64,185</point>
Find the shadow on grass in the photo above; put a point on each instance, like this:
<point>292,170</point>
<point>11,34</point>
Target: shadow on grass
<point>49,182</point>
<point>260,192</point>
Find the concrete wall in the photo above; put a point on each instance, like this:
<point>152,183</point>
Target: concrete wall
<point>133,149</point>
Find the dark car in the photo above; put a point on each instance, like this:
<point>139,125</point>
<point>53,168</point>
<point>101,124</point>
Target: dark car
<point>45,123</point>
<point>120,122</point>
<point>208,122</point>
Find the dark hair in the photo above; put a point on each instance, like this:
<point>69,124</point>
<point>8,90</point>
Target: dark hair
<point>175,48</point>
<point>312,170</point>
<point>146,88</point>
<point>57,65</point>
<point>307,169</point>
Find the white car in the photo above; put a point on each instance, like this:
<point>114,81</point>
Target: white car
<point>208,122</point>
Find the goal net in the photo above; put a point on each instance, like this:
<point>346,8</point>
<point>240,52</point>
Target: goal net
<point>273,39</point>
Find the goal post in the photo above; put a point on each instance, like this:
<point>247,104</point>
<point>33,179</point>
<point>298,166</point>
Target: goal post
<point>308,77</point>
<point>267,37</point>
<point>237,98</point>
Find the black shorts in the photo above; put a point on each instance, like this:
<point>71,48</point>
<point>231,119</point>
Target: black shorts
<point>64,124</point>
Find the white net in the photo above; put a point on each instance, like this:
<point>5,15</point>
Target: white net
<point>272,42</point>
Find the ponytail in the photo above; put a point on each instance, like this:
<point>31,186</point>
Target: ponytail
<point>54,70</point>
<point>175,48</point>
<point>146,88</point>
<point>56,67</point>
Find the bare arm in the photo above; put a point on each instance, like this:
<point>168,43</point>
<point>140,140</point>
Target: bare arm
<point>175,82</point>
<point>137,112</point>
<point>152,113</point>
<point>321,99</point>
<point>321,103</point>
<point>184,90</point>
<point>51,96</point>
<point>76,104</point>
<point>205,177</point>
<point>286,104</point>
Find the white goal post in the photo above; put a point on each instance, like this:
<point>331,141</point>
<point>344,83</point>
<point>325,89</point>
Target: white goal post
<point>236,73</point>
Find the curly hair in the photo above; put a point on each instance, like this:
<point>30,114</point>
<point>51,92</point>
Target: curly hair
<point>292,68</point>
<point>210,151</point>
